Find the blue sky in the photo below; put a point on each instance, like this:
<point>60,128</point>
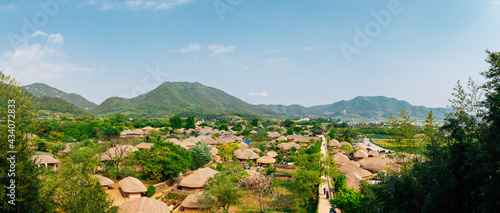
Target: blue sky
<point>261,51</point>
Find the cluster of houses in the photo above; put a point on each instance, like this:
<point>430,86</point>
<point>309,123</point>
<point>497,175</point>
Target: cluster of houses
<point>362,164</point>
<point>133,190</point>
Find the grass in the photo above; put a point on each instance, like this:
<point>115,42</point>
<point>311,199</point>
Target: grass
<point>283,202</point>
<point>417,148</point>
<point>378,136</point>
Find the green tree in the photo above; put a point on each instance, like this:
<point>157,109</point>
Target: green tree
<point>17,117</point>
<point>226,150</point>
<point>201,155</point>
<point>222,190</point>
<point>288,123</point>
<point>74,189</point>
<point>164,160</point>
<point>175,122</point>
<point>306,188</point>
<point>255,122</point>
<point>190,122</point>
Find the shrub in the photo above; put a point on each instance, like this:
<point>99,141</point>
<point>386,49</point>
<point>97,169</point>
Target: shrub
<point>151,191</point>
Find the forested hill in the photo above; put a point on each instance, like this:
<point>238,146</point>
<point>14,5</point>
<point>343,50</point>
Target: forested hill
<point>40,90</point>
<point>186,98</point>
<point>181,98</point>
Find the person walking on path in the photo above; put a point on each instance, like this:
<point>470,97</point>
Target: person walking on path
<point>324,190</point>
<point>327,197</point>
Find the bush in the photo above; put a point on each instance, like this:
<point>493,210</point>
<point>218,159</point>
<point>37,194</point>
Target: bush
<point>151,191</point>
<point>250,164</point>
<point>270,169</point>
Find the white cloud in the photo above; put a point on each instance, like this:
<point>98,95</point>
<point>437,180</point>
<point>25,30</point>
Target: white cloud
<point>8,7</point>
<point>191,47</point>
<point>219,49</point>
<point>280,62</point>
<point>37,62</point>
<point>155,5</point>
<point>258,94</point>
<point>39,33</point>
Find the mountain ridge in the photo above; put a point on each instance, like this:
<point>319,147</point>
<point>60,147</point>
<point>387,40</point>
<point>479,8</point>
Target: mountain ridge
<point>187,98</point>
<point>41,90</point>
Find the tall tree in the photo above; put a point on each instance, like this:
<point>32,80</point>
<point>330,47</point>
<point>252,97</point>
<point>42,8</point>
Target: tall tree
<point>226,150</point>
<point>190,122</point>
<point>222,191</point>
<point>19,177</point>
<point>200,154</point>
<point>175,122</point>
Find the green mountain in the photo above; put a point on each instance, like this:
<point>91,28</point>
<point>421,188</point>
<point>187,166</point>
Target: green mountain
<point>40,90</point>
<point>182,98</point>
<point>361,108</point>
<point>57,105</point>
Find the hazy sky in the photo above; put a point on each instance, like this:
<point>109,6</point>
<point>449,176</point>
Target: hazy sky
<point>261,51</point>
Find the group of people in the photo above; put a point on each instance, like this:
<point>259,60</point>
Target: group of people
<point>327,193</point>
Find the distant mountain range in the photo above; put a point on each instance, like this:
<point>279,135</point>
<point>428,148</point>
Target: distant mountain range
<point>186,98</point>
<point>40,90</point>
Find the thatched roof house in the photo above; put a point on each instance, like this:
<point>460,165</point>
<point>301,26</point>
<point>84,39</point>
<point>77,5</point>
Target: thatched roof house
<point>243,145</point>
<point>373,153</point>
<point>245,154</point>
<point>132,187</point>
<point>144,205</point>
<point>353,180</point>
<point>272,154</point>
<point>144,145</point>
<point>345,144</point>
<point>104,181</point>
<point>340,158</point>
<point>191,202</point>
<point>333,143</point>
<point>173,140</point>
<point>348,168</point>
<point>282,138</point>
<point>45,160</point>
<point>256,150</point>
<point>360,154</point>
<point>209,141</point>
<point>192,140</point>
<point>265,160</point>
<point>378,164</point>
<point>117,151</point>
<point>288,146</point>
<point>273,135</point>
<point>196,180</point>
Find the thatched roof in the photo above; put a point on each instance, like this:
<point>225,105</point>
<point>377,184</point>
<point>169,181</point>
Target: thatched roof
<point>104,181</point>
<point>345,144</point>
<point>214,151</point>
<point>266,160</point>
<point>378,163</point>
<point>348,168</point>
<point>209,141</point>
<point>333,143</point>
<point>245,154</point>
<point>192,140</point>
<point>122,150</point>
<point>288,146</point>
<point>272,154</point>
<point>353,180</point>
<point>354,163</point>
<point>297,138</point>
<point>373,153</point>
<point>197,179</point>
<point>243,145</point>
<point>273,135</point>
<point>282,138</point>
<point>44,159</point>
<point>144,145</point>
<point>256,150</point>
<point>191,201</point>
<point>340,158</point>
<point>132,185</point>
<point>187,143</point>
<point>144,205</point>
<point>253,132</point>
<point>360,154</point>
<point>173,140</point>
